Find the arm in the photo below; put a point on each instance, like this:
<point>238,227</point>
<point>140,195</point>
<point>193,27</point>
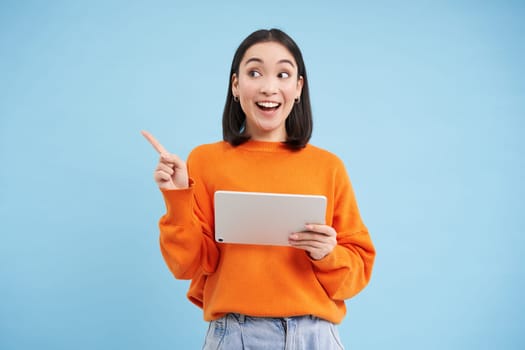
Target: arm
<point>184,243</point>
<point>348,268</point>
<point>342,253</point>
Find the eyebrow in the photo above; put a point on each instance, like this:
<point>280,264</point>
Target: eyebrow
<point>258,60</point>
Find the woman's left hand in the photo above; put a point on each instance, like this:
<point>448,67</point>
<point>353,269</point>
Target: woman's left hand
<point>318,240</point>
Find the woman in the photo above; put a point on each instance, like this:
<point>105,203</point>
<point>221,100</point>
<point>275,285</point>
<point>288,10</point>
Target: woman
<point>265,297</point>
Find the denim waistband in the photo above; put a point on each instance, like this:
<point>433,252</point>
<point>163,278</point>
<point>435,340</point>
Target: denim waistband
<point>242,318</point>
<point>238,331</point>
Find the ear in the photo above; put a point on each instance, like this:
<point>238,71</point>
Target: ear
<point>235,85</point>
<point>300,83</point>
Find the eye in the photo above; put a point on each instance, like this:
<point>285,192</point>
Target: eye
<point>283,75</point>
<point>254,74</point>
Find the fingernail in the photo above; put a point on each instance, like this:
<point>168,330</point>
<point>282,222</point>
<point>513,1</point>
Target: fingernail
<point>294,236</point>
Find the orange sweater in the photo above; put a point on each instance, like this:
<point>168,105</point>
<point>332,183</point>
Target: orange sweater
<point>266,281</point>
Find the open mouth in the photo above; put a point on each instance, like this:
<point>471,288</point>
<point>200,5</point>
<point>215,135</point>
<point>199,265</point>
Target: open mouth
<point>268,106</point>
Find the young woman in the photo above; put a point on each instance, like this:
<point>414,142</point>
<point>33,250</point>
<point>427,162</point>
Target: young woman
<point>265,297</point>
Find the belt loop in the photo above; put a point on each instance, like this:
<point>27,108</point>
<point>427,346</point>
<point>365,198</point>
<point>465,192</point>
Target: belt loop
<point>241,318</point>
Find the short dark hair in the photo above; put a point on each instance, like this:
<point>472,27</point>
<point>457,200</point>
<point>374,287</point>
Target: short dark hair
<point>299,123</point>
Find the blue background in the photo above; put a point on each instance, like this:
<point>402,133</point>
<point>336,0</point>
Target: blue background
<point>423,100</point>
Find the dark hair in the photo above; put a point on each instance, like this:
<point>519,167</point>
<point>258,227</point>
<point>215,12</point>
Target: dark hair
<point>299,122</point>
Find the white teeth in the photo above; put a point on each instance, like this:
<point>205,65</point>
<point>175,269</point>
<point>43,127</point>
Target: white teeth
<point>268,104</point>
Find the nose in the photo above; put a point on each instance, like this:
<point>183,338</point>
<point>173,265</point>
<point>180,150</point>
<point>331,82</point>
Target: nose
<point>269,86</point>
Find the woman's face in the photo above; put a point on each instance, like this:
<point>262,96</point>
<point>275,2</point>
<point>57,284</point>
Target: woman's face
<point>267,86</point>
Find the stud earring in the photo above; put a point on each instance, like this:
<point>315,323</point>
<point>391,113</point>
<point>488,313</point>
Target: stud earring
<point>297,100</point>
<point>236,98</point>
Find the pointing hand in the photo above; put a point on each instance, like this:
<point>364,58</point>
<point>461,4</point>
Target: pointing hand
<point>171,172</point>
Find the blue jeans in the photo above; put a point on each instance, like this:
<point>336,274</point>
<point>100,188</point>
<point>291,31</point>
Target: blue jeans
<point>238,332</point>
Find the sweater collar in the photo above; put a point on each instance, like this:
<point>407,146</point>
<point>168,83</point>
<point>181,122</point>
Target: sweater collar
<point>264,146</point>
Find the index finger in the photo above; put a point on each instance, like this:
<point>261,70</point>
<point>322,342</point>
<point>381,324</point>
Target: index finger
<point>322,229</point>
<point>156,144</point>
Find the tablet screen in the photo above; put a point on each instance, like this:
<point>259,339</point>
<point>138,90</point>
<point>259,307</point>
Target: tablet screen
<point>264,218</point>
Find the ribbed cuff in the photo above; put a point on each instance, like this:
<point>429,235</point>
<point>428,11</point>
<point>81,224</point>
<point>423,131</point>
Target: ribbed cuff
<point>179,205</point>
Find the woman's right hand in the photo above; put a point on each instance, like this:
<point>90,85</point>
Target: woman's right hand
<point>171,172</point>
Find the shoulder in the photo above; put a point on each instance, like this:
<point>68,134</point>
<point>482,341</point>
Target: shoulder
<point>324,156</point>
<point>208,150</point>
<point>205,156</point>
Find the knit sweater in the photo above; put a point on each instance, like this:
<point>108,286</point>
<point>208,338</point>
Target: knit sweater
<point>257,280</point>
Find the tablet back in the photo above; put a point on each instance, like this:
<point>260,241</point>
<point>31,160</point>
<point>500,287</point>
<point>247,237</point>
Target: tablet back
<point>264,218</point>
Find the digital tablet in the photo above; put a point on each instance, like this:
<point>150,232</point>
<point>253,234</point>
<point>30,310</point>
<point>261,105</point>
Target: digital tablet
<point>264,218</point>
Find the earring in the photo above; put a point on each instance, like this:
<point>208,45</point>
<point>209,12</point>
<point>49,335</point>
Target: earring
<point>236,98</point>
<point>297,100</point>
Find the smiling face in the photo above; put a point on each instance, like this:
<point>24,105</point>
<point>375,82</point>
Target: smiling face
<point>267,85</point>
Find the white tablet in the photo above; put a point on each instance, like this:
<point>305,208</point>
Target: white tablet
<point>264,218</point>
